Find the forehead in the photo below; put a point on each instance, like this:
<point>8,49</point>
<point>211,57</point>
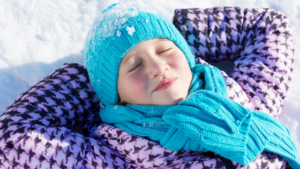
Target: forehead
<point>132,51</point>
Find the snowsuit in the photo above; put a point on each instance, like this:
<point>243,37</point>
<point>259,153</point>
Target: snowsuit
<point>35,130</point>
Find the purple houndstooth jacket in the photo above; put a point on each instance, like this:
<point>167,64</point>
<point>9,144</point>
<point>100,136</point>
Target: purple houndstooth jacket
<point>35,130</point>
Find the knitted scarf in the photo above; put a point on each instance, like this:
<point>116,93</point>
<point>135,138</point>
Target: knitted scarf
<point>207,121</point>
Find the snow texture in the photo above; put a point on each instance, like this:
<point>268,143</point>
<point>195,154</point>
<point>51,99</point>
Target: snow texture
<point>37,37</point>
<point>114,17</point>
<point>130,30</point>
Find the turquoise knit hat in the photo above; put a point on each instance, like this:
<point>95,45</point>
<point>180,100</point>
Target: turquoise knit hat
<point>121,27</point>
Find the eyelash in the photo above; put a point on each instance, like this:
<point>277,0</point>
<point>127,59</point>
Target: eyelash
<point>134,67</point>
<point>140,63</point>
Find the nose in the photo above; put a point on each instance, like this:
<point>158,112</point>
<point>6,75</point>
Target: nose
<point>157,67</point>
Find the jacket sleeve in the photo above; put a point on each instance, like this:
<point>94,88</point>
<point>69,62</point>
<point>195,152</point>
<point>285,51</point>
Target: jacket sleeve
<point>36,129</point>
<point>258,40</point>
<point>144,153</point>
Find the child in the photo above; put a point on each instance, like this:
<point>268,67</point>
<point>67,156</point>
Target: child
<point>35,129</point>
<point>168,98</point>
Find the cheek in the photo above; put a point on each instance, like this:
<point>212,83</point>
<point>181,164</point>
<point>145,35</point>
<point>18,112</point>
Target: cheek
<point>180,63</point>
<point>137,83</point>
<point>136,88</point>
<point>177,62</point>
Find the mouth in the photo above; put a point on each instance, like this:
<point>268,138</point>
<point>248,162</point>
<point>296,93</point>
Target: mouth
<point>164,84</point>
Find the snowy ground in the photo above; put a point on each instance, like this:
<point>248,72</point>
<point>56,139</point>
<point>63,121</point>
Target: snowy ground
<point>38,36</point>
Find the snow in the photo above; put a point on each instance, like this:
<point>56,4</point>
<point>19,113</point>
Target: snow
<point>115,16</point>
<point>37,37</point>
<point>118,33</point>
<point>130,30</point>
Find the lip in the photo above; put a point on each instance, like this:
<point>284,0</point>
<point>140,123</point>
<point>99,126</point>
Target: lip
<point>165,84</point>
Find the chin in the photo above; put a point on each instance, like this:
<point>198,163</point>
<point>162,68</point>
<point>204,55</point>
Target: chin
<point>174,102</point>
<point>177,101</point>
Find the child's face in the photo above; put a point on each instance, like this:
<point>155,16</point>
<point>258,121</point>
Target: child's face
<point>150,62</point>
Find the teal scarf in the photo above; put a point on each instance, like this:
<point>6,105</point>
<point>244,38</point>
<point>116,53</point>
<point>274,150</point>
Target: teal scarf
<point>207,121</point>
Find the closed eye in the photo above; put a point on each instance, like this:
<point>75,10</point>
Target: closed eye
<point>158,54</point>
<point>134,67</point>
<point>164,51</point>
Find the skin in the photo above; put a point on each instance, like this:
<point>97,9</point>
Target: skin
<point>150,62</point>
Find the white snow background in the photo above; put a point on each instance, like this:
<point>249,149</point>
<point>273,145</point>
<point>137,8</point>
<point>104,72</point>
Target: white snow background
<point>38,36</point>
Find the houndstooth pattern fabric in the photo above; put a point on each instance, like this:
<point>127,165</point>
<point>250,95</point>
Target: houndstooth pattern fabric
<point>36,131</point>
<point>260,43</point>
